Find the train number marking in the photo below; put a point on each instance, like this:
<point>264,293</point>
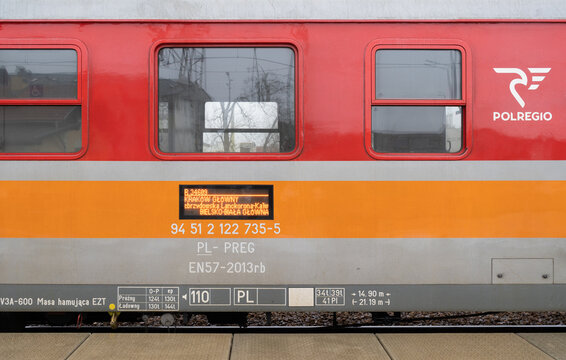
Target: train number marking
<point>229,229</point>
<point>177,229</point>
<point>226,229</point>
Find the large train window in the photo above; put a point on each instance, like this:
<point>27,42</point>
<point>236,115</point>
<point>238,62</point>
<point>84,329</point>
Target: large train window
<point>42,87</point>
<point>417,107</point>
<point>226,100</point>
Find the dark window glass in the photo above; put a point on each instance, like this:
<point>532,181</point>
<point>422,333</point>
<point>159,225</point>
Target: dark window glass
<point>416,129</point>
<point>225,100</point>
<point>40,129</point>
<point>418,74</point>
<point>38,74</point>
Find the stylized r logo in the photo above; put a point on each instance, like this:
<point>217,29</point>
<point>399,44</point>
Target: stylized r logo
<point>523,80</point>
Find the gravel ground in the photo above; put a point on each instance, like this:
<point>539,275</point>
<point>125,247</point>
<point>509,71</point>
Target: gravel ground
<point>326,319</point>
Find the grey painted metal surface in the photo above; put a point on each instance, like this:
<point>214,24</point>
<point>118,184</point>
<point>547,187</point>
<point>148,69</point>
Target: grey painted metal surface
<point>273,261</point>
<point>282,9</point>
<point>346,297</point>
<point>283,171</point>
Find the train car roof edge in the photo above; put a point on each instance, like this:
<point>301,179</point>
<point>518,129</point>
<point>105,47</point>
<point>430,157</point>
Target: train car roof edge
<point>282,10</point>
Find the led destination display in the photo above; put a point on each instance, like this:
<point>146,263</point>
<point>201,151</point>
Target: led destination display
<point>226,202</point>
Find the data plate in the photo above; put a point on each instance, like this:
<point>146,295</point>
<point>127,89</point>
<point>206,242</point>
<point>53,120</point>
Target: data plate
<point>132,298</point>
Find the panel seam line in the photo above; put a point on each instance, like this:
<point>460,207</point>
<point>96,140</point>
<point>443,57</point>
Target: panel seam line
<point>231,347</point>
<point>78,346</point>
<point>535,346</point>
<point>384,348</point>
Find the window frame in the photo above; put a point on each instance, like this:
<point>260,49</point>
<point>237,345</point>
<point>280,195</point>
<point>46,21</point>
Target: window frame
<point>81,99</point>
<point>465,102</point>
<point>154,102</point>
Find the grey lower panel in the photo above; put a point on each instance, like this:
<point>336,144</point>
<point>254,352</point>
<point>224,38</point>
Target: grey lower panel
<point>248,298</point>
<point>269,261</point>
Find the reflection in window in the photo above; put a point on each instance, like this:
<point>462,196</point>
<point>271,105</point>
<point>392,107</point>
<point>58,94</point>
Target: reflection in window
<point>225,100</point>
<point>418,74</point>
<point>240,127</point>
<point>417,129</point>
<point>38,74</point>
<point>40,129</point>
<point>414,75</point>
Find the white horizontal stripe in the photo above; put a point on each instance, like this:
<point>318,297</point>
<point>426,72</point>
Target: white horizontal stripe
<point>282,9</point>
<point>539,70</point>
<point>201,171</point>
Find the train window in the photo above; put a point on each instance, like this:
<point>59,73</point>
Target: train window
<point>418,74</point>
<point>40,129</point>
<point>226,100</point>
<point>40,101</point>
<point>417,104</point>
<point>37,73</point>
<point>420,129</point>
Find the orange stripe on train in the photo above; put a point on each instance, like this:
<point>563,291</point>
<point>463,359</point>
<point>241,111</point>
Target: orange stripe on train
<point>427,209</point>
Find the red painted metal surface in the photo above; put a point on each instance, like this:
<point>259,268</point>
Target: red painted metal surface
<point>332,73</point>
